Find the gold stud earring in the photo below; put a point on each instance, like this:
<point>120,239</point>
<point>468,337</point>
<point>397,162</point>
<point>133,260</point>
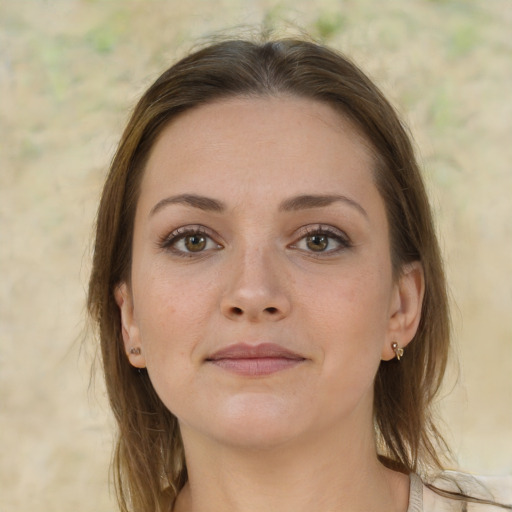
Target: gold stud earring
<point>135,351</point>
<point>399,352</point>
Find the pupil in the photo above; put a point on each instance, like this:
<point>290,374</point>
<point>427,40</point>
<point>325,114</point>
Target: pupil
<point>195,243</point>
<point>317,242</point>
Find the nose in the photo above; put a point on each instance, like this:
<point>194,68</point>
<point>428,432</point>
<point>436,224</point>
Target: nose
<point>256,289</point>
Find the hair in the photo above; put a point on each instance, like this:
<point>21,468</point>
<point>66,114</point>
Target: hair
<point>149,458</point>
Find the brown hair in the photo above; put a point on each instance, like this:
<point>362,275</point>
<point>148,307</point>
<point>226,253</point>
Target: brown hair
<point>149,454</point>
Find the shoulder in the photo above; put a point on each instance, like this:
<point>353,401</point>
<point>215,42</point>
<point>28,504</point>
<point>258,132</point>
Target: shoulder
<point>483,488</point>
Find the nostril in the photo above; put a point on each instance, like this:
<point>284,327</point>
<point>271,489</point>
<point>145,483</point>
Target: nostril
<point>271,310</point>
<point>237,311</point>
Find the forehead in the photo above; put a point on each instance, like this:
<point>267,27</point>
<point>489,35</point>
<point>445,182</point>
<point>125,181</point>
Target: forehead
<point>274,142</point>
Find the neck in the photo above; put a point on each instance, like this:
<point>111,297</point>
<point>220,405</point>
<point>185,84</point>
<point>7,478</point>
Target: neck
<point>317,474</point>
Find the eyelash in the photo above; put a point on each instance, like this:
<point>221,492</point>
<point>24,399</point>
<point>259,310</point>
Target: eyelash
<point>170,241</point>
<point>331,233</point>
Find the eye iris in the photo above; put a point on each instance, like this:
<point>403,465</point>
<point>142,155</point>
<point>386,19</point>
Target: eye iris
<point>195,243</point>
<point>317,242</point>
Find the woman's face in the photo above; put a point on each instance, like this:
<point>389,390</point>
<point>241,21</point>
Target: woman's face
<point>261,293</point>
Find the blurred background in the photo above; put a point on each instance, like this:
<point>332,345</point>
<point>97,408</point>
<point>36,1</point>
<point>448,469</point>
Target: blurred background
<point>70,70</point>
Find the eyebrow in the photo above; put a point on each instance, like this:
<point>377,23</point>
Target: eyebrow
<point>301,202</point>
<point>318,201</point>
<point>201,202</point>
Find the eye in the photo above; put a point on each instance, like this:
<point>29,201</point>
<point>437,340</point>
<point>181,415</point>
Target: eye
<point>189,240</point>
<point>192,243</point>
<point>323,239</point>
<point>317,243</point>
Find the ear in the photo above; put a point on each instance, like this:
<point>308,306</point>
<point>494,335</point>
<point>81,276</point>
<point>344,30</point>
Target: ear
<point>405,312</point>
<point>129,327</point>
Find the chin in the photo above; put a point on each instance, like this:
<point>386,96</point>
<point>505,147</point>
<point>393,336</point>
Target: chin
<point>265,436</point>
<point>252,423</point>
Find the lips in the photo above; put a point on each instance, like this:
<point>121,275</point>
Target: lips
<point>255,360</point>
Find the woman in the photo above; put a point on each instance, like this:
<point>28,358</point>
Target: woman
<point>269,292</point>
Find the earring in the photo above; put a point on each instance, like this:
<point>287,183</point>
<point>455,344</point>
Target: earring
<point>135,351</point>
<point>399,352</point>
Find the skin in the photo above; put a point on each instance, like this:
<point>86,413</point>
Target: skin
<point>300,438</point>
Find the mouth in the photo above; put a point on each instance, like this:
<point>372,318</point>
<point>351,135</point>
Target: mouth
<point>255,360</point>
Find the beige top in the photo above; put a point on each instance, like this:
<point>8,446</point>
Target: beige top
<point>422,499</point>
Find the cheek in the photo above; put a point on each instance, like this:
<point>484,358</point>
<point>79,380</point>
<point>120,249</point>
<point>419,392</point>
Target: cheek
<point>349,320</point>
<point>170,329</point>
<point>355,298</point>
<point>172,296</point>
<point>171,313</point>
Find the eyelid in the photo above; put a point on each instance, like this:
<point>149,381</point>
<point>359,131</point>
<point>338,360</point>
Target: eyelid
<point>168,241</point>
<point>323,229</point>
